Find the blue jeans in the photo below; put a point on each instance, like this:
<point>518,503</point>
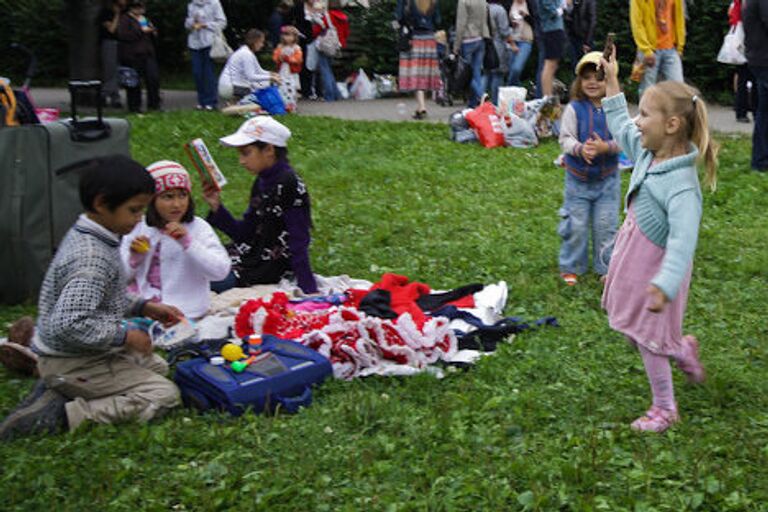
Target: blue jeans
<point>330,92</point>
<point>492,80</point>
<point>668,64</point>
<point>205,77</point>
<point>588,207</point>
<point>760,134</point>
<point>473,53</point>
<point>517,61</point>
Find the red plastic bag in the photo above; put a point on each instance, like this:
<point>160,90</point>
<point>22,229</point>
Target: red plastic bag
<point>487,125</point>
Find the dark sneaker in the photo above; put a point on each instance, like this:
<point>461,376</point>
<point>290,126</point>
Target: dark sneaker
<point>33,395</point>
<point>44,415</point>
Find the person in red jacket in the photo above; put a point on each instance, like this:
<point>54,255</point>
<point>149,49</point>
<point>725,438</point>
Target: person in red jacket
<point>322,19</point>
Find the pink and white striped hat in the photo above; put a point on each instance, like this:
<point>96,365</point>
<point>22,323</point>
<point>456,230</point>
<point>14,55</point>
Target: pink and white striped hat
<point>169,174</point>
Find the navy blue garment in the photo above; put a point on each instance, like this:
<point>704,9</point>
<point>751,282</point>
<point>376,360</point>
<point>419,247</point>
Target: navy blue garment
<point>486,337</point>
<point>418,21</point>
<point>591,120</point>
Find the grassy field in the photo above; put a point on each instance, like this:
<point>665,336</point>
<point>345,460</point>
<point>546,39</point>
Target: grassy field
<point>541,425</point>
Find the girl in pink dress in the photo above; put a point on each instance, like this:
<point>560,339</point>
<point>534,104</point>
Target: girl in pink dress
<point>646,288</point>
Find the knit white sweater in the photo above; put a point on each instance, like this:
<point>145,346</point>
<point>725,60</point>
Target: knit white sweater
<point>185,274</point>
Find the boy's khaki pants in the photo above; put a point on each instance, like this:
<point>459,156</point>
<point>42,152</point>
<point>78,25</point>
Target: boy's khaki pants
<point>112,387</point>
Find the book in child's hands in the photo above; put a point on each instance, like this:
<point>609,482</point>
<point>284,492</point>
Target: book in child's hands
<point>203,161</point>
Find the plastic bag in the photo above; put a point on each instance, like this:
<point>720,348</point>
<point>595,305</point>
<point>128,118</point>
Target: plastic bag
<point>519,133</point>
<point>311,62</point>
<point>732,50</point>
<point>220,50</point>
<point>343,90</point>
<point>512,100</point>
<point>385,84</point>
<point>270,100</point>
<point>487,125</point>
<point>362,87</point>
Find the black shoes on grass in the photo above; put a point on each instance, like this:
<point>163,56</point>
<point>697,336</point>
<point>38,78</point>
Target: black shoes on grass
<point>41,412</point>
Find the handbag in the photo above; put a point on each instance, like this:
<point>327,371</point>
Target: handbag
<point>404,39</point>
<point>220,50</point>
<point>461,76</point>
<point>732,50</point>
<point>328,42</point>
<point>491,57</point>
<point>127,77</point>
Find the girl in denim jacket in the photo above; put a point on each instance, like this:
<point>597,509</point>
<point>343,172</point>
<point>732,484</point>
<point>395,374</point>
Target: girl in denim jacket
<point>646,289</point>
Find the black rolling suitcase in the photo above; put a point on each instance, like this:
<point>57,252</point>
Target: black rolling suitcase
<point>37,206</point>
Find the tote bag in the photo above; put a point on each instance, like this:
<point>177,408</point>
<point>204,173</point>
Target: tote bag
<point>328,42</point>
<point>220,50</point>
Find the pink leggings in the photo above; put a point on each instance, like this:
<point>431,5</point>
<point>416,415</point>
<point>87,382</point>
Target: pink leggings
<point>660,377</point>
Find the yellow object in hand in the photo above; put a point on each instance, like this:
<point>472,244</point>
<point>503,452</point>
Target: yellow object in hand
<point>232,352</point>
<point>141,246</point>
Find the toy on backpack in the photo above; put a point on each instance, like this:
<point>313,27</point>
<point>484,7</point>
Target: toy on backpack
<point>231,352</point>
<point>240,366</point>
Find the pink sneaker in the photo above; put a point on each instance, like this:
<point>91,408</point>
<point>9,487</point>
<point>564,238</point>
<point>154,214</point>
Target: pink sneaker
<point>656,420</point>
<point>688,361</point>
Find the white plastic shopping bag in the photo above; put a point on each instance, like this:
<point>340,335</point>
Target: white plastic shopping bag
<point>732,51</point>
<point>362,87</point>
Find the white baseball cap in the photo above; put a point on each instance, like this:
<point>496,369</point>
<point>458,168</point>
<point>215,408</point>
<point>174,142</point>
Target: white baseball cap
<point>261,128</point>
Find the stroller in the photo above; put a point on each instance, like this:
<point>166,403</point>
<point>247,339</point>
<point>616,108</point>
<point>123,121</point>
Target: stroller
<point>455,74</point>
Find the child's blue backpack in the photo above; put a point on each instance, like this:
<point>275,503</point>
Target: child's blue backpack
<point>280,377</point>
<point>270,100</point>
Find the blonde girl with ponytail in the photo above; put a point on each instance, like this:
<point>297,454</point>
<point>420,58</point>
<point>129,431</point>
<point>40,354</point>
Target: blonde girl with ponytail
<point>646,288</point>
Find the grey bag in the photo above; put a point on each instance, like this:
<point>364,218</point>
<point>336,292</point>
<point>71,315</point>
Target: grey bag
<point>37,207</point>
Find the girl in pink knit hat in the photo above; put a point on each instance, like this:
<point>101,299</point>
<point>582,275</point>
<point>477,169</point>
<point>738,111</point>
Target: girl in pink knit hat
<point>171,255</point>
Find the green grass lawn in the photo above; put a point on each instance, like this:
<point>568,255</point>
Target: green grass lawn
<point>541,425</point>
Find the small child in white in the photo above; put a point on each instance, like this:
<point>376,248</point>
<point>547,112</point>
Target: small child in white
<point>172,255</point>
<point>289,58</point>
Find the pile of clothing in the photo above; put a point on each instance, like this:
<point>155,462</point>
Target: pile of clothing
<point>392,327</point>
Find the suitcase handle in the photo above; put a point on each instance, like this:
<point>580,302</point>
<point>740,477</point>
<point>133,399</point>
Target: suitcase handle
<point>292,403</point>
<point>91,130</point>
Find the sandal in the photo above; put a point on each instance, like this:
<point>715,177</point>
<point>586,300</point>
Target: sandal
<point>570,279</point>
<point>656,420</point>
<point>420,114</point>
<point>689,362</point>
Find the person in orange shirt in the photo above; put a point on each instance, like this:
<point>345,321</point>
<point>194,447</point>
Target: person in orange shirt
<point>658,28</point>
<point>289,59</point>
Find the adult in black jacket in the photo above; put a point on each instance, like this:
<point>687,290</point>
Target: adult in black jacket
<point>580,22</point>
<point>136,49</point>
<point>754,17</point>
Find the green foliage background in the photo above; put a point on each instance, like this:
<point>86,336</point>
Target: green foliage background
<point>41,24</point>
<point>540,425</point>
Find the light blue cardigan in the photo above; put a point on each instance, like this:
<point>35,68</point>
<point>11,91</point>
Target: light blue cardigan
<point>667,197</point>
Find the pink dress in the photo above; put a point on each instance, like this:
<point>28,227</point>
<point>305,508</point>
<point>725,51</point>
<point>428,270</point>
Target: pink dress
<point>634,262</point>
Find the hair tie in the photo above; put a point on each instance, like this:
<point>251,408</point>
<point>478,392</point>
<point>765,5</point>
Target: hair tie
<point>694,98</point>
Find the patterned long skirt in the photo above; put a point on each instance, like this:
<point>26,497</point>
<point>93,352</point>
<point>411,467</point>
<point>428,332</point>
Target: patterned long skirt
<point>419,69</point>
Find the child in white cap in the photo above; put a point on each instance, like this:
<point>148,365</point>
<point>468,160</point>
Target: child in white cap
<point>272,239</point>
<point>171,255</point>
